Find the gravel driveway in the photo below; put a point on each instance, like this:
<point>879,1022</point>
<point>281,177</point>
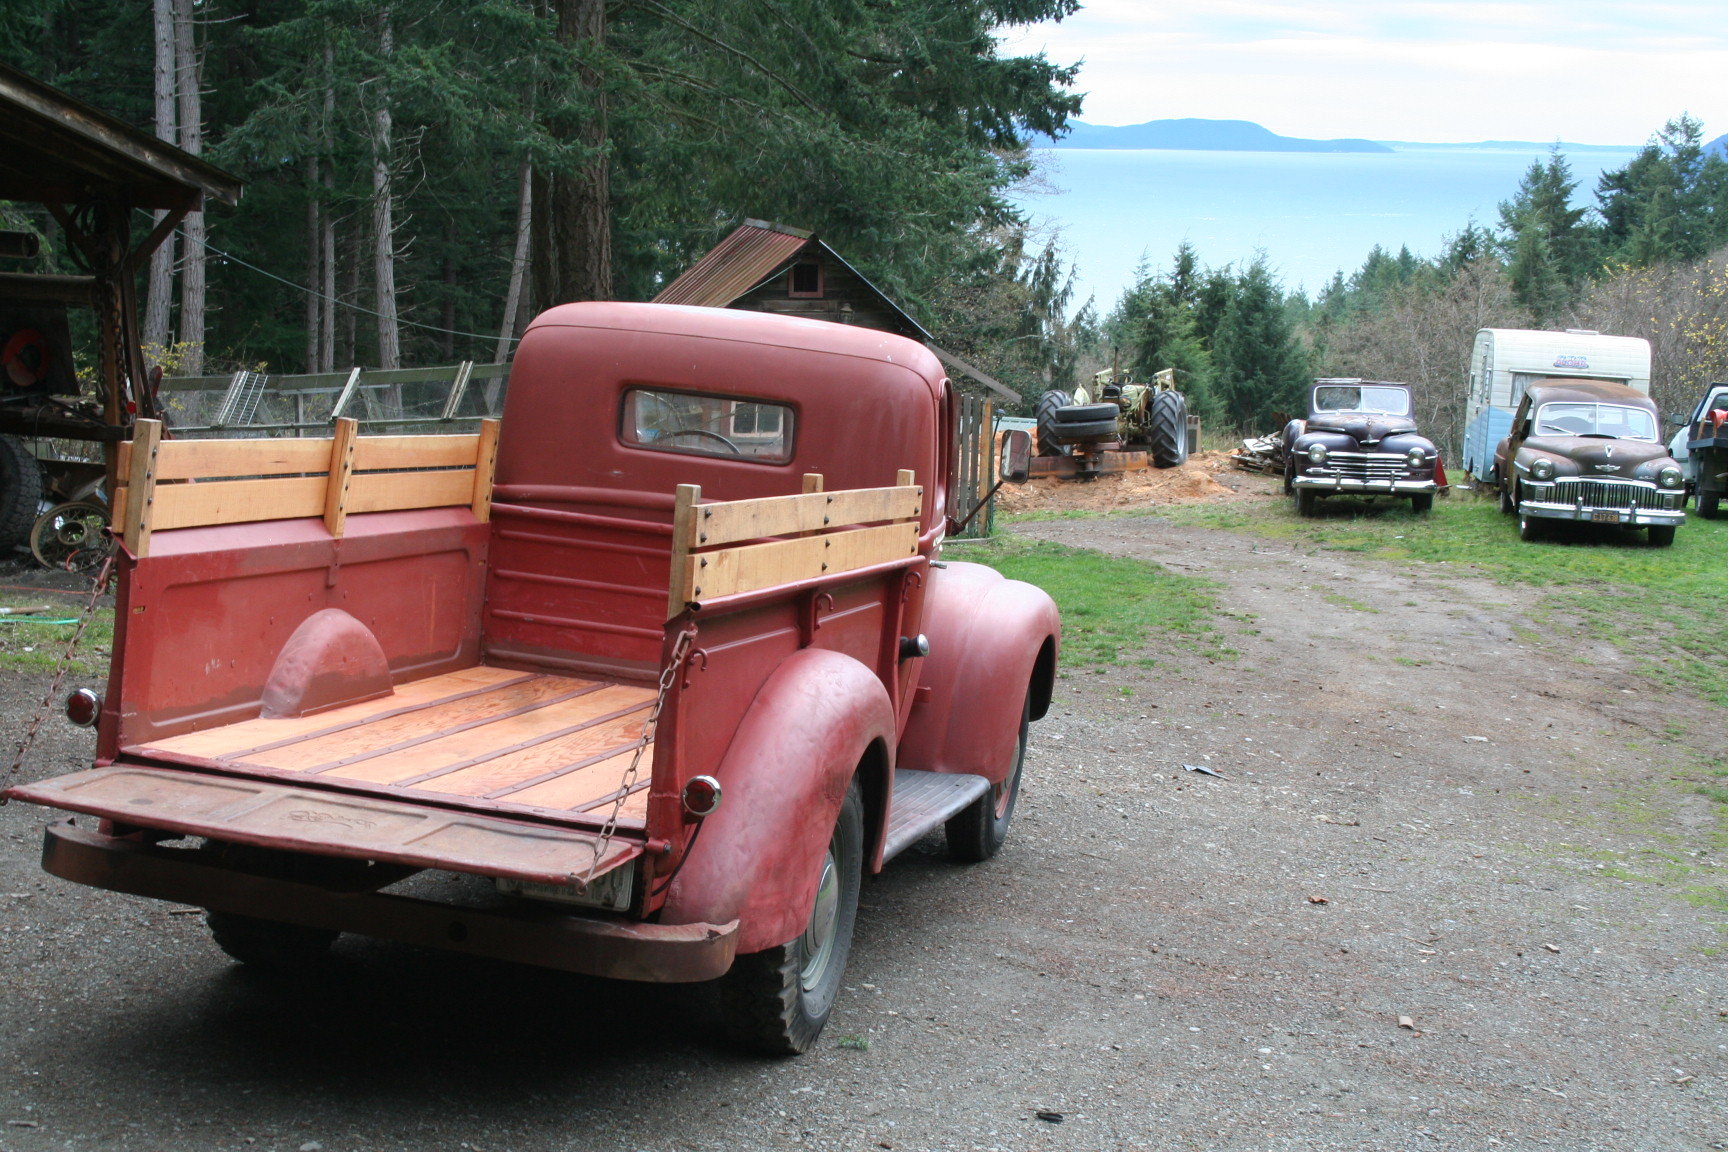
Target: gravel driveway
<point>1453,889</point>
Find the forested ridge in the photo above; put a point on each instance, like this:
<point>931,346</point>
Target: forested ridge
<point>423,175</point>
<point>1646,255</point>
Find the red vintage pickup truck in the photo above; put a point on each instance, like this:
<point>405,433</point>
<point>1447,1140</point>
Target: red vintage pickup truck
<point>640,684</point>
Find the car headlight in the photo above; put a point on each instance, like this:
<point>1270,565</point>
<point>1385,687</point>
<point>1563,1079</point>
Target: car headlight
<point>1418,457</point>
<point>1317,453</point>
<point>1542,468</point>
<point>1670,477</point>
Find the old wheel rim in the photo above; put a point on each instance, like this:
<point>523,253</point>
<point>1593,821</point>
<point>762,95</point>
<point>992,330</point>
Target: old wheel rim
<point>818,939</point>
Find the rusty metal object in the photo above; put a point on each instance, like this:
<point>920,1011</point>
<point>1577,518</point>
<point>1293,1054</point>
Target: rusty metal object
<point>532,933</point>
<point>1087,464</point>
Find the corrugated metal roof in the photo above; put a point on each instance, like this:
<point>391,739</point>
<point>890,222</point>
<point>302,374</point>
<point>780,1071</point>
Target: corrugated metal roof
<point>752,253</point>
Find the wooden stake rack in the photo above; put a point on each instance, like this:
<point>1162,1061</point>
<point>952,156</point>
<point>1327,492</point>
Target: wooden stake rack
<point>738,546</point>
<point>166,484</point>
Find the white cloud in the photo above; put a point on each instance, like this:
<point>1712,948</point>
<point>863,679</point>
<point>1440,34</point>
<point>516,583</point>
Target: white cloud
<point>1587,71</point>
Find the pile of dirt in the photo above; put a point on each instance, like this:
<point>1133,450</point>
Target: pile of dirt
<point>1207,477</point>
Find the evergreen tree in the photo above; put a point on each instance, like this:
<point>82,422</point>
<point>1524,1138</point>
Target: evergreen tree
<point>1261,367</point>
<point>1548,247</point>
<point>1668,203</point>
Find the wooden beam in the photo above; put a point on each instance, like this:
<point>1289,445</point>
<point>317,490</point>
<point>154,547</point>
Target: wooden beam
<point>238,501</point>
<point>683,533</point>
<point>738,520</point>
<point>211,459</point>
<point>751,567</point>
<point>485,468</point>
<point>399,453</point>
<point>341,465</point>
<point>141,487</point>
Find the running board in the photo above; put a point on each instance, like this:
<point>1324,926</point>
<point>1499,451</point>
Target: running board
<point>924,800</point>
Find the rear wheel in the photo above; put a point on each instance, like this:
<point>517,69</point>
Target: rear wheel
<point>1661,535</point>
<point>1709,504</point>
<point>1167,429</point>
<point>977,833</point>
<point>777,1001</point>
<point>1048,444</point>
<point>269,944</point>
<point>1508,506</point>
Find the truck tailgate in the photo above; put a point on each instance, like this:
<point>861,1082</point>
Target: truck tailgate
<point>299,819</point>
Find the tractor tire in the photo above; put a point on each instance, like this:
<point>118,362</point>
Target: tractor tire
<point>1167,430</point>
<point>1048,405</point>
<point>1087,433</point>
<point>20,493</point>
<point>1085,413</point>
<point>1709,505</point>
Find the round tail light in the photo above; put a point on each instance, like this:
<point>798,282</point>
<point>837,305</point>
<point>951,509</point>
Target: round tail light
<point>702,796</point>
<point>82,707</point>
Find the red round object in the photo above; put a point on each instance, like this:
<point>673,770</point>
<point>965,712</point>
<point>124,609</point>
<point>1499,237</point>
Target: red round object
<point>83,707</point>
<point>701,795</point>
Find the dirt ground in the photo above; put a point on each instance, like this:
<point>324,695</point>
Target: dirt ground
<point>1206,477</point>
<point>1418,909</point>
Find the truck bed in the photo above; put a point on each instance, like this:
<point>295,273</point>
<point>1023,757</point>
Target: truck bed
<point>489,740</point>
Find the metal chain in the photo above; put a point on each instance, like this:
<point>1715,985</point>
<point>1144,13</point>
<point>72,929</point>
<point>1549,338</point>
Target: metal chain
<point>668,676</point>
<point>96,588</point>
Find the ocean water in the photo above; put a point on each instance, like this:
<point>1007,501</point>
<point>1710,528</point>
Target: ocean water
<point>1311,213</point>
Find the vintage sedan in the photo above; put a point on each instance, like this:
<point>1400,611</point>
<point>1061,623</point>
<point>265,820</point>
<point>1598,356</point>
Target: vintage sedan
<point>1359,440</point>
<point>1589,450</point>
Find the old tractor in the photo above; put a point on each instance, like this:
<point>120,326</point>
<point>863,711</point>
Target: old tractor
<point>1102,426</point>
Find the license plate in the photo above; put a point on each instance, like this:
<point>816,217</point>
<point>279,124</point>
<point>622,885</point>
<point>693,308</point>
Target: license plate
<point>1601,517</point>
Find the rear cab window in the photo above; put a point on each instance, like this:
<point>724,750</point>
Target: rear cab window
<point>704,424</point>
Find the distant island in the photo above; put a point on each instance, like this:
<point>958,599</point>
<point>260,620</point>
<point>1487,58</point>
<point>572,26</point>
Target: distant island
<point>1200,136</point>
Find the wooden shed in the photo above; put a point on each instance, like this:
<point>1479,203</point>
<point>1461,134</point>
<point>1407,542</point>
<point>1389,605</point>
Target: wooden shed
<point>763,267</point>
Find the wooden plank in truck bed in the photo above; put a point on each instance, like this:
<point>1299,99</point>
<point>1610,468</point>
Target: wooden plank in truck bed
<point>483,739</point>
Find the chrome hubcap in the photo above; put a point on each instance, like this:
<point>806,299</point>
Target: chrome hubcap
<point>818,939</point>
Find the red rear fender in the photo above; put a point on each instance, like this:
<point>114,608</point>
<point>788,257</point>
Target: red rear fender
<point>811,726</point>
<point>991,641</point>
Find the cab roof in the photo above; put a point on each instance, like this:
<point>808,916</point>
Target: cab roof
<point>1586,391</point>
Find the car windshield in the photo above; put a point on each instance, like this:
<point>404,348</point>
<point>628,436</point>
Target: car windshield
<point>1574,418</point>
<point>1361,398</point>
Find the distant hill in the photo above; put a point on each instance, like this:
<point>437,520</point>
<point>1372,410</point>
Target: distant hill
<point>1717,147</point>
<point>1200,136</point>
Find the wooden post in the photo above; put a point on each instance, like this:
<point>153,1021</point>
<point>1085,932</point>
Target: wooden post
<point>812,482</point>
<point>683,536</point>
<point>341,472</point>
<point>141,486</point>
<point>485,466</point>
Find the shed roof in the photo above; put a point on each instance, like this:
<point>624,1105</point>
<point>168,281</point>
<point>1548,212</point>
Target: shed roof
<point>58,150</point>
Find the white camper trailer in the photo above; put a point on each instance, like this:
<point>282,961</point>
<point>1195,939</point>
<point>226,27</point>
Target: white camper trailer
<point>1507,360</point>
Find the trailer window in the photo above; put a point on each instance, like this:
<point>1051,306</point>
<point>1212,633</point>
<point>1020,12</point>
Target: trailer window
<point>706,425</point>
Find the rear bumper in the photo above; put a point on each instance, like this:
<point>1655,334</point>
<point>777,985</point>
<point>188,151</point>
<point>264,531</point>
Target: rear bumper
<point>545,936</point>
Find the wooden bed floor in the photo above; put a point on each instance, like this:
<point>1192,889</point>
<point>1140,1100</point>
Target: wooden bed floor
<point>488,738</point>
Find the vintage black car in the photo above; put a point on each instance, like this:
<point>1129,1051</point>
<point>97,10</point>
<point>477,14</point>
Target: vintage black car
<point>1589,450</point>
<point>1359,439</point>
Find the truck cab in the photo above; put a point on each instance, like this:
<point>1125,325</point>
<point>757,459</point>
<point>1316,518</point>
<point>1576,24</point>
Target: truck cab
<point>668,662</point>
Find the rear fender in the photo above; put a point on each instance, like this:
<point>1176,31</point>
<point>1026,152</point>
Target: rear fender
<point>991,640</point>
<point>819,717</point>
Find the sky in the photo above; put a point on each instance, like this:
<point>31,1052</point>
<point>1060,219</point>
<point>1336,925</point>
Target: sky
<point>1582,71</point>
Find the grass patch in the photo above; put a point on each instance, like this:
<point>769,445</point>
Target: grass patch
<point>26,643</point>
<point>1663,605</point>
<point>1114,610</point>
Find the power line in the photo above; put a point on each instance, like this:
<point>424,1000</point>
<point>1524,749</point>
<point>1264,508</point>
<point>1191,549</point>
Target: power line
<point>209,247</point>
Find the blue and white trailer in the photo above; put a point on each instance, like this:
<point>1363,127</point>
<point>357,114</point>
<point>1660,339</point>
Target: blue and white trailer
<point>1505,361</point>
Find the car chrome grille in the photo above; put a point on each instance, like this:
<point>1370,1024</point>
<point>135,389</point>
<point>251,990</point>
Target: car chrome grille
<point>1609,494</point>
<point>1377,466</point>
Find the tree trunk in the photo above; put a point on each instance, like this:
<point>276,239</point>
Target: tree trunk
<point>383,217</point>
<point>507,330</point>
<point>159,287</point>
<point>315,306</point>
<point>573,226</point>
<point>189,83</point>
<point>327,227</point>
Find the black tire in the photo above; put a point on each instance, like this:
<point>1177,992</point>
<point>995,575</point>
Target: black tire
<point>70,536</point>
<point>267,945</point>
<point>1088,432</point>
<point>1085,413</point>
<point>776,1002</point>
<point>1422,502</point>
<point>1289,474</point>
<point>1661,535</point>
<point>20,493</point>
<point>1508,506</point>
<point>270,945</point>
<point>977,833</point>
<point>1307,501</point>
<point>1048,444</point>
<point>1530,528</point>
<point>1167,430</point>
<point>1709,505</point>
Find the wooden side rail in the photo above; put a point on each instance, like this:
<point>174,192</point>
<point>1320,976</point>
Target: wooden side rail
<point>829,533</point>
<point>195,483</point>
